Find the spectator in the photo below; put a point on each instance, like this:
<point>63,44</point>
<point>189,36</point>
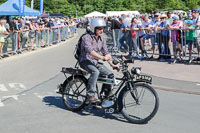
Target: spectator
<point>190,33</point>
<point>32,35</point>
<point>13,30</point>
<point>115,27</point>
<point>164,45</point>
<point>158,34</point>
<point>5,47</point>
<point>145,27</point>
<point>126,37</point>
<point>3,32</point>
<point>134,33</point>
<point>196,22</point>
<point>169,15</point>
<point>176,36</point>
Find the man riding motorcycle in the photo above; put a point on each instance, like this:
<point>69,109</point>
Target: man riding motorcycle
<point>93,49</point>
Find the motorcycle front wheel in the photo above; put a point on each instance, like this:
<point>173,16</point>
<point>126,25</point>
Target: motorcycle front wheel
<point>140,104</point>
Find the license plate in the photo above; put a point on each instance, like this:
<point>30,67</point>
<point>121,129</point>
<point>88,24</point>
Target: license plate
<point>144,78</point>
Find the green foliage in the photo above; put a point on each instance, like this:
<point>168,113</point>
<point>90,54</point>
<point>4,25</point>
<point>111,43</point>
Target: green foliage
<point>69,7</point>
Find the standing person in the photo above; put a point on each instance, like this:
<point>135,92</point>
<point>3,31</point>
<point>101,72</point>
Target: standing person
<point>196,22</point>
<point>5,47</point>
<point>153,18</point>
<point>3,32</point>
<point>41,31</point>
<point>152,32</point>
<point>169,16</point>
<point>55,31</point>
<point>126,37</point>
<point>93,49</point>
<point>176,36</point>
<point>50,26</point>
<point>32,35</point>
<point>144,27</point>
<point>156,33</point>
<point>164,46</point>
<point>13,30</point>
<point>115,27</point>
<point>190,33</point>
<point>134,33</point>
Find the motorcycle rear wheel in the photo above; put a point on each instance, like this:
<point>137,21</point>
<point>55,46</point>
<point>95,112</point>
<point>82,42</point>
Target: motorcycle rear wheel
<point>74,93</point>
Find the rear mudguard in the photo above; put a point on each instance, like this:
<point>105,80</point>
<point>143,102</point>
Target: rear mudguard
<point>63,85</point>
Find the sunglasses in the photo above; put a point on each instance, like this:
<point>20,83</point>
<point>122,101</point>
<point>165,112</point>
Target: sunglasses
<point>100,28</point>
<point>162,18</point>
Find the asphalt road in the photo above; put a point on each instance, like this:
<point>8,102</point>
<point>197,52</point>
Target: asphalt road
<point>29,103</point>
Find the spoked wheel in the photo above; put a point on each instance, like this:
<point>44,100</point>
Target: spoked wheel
<point>141,105</point>
<point>74,93</point>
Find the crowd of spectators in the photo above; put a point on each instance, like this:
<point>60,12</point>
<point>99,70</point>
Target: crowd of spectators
<point>20,34</point>
<point>160,31</point>
<point>170,35</point>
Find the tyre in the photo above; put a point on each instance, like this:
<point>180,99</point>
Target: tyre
<point>141,105</point>
<point>74,93</point>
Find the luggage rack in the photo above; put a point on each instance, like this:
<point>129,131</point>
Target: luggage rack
<point>73,71</point>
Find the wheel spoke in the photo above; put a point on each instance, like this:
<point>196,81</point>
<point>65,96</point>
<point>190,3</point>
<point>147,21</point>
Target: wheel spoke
<point>141,104</point>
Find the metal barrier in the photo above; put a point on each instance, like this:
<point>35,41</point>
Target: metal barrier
<point>165,45</point>
<point>17,42</point>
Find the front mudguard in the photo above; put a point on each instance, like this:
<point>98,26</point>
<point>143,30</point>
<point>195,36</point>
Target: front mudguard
<point>124,89</point>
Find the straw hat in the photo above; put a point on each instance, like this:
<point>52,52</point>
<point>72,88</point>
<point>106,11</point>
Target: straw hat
<point>163,16</point>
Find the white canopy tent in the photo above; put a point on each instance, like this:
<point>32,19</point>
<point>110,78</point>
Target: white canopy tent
<point>119,13</point>
<point>95,14</point>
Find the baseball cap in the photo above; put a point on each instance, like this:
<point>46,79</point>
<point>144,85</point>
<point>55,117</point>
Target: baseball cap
<point>175,17</point>
<point>195,11</point>
<point>157,14</point>
<point>189,22</point>
<point>123,15</point>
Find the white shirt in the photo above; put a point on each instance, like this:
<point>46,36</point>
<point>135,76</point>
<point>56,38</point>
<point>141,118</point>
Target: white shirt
<point>196,20</point>
<point>2,29</point>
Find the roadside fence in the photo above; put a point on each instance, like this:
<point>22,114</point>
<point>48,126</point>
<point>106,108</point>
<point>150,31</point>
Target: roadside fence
<point>17,42</point>
<point>165,45</point>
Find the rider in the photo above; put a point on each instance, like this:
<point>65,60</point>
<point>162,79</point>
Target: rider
<point>93,49</point>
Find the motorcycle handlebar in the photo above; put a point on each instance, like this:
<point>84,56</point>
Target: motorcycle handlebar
<point>115,62</point>
<point>129,61</point>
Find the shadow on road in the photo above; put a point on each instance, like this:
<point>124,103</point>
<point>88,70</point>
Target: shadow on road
<point>54,101</point>
<point>88,110</point>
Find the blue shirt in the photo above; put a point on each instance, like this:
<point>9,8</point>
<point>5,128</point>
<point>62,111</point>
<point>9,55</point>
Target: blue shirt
<point>164,32</point>
<point>125,25</point>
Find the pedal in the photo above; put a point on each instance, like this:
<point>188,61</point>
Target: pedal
<point>109,111</point>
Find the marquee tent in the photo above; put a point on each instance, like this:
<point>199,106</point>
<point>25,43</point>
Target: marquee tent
<point>11,7</point>
<point>119,13</point>
<point>95,14</point>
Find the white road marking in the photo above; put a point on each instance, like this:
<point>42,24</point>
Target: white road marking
<point>11,96</point>
<point>39,96</point>
<point>1,104</point>
<point>198,84</point>
<point>3,87</point>
<point>17,86</point>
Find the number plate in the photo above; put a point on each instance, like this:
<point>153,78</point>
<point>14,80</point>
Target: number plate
<point>144,78</point>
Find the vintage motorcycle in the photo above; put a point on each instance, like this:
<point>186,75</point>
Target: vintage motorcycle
<point>131,95</point>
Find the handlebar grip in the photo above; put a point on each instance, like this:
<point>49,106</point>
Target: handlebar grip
<point>115,62</point>
<point>129,61</point>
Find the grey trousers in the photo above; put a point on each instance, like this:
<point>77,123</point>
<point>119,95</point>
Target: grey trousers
<point>95,71</point>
